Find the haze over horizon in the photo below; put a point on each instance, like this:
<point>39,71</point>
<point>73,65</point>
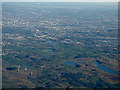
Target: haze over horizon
<point>59,1</point>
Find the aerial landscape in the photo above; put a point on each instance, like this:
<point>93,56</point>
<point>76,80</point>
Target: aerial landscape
<point>59,45</point>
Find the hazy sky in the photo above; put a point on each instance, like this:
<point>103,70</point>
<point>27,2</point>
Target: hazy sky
<point>59,0</point>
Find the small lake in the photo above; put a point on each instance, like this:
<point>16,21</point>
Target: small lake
<point>104,68</point>
<point>31,60</point>
<point>11,68</point>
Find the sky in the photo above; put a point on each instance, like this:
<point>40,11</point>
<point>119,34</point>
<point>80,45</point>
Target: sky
<point>59,0</point>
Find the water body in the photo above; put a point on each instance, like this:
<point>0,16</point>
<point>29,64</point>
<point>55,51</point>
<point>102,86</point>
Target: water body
<point>24,66</point>
<point>99,66</point>
<point>104,68</point>
<point>31,60</point>
<point>11,68</point>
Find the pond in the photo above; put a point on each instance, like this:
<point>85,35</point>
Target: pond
<point>31,60</point>
<point>104,68</point>
<point>11,68</point>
